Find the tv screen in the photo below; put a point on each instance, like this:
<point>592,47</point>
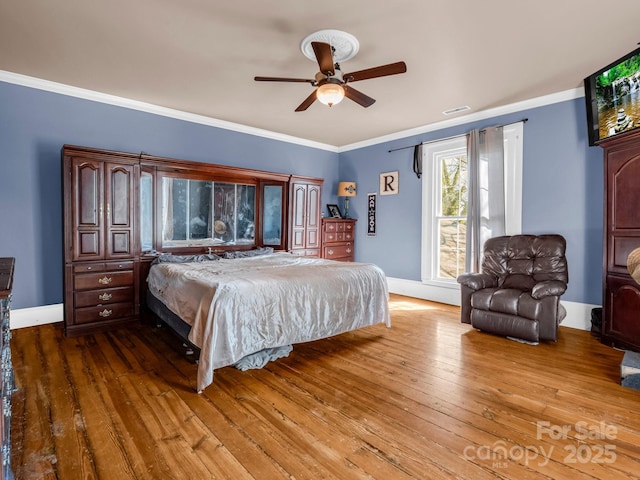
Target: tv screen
<point>613,98</point>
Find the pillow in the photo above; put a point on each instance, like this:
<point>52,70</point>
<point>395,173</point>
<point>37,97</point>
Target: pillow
<point>170,258</point>
<point>248,253</point>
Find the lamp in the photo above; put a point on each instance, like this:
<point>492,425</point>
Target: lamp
<point>346,190</point>
<point>330,93</point>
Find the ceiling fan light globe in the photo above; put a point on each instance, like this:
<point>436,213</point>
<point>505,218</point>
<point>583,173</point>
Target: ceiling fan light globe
<point>330,94</point>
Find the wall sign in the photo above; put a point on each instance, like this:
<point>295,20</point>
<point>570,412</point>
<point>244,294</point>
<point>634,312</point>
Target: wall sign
<point>389,183</point>
<point>371,214</point>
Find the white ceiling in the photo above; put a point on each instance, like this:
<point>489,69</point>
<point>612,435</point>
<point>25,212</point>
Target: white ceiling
<point>200,56</point>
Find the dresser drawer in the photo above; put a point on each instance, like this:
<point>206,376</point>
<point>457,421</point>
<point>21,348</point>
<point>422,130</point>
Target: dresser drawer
<point>102,267</point>
<point>89,268</point>
<point>334,226</point>
<point>116,266</point>
<point>331,236</point>
<point>335,252</point>
<point>103,312</point>
<point>92,281</point>
<point>90,298</point>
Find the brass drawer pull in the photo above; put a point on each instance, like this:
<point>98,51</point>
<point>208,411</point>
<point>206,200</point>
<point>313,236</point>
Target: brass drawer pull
<point>105,296</point>
<point>105,313</point>
<point>104,280</point>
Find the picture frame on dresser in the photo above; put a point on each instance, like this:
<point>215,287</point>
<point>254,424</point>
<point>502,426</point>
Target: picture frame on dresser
<point>334,210</point>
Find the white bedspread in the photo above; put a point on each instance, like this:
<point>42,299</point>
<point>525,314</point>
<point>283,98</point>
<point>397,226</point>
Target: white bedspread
<point>241,306</point>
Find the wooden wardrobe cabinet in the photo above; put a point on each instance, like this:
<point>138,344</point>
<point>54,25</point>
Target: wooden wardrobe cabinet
<point>101,245</point>
<point>338,239</point>
<point>621,295</point>
<point>305,216</point>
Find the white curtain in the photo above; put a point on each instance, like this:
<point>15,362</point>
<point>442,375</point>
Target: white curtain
<point>486,199</point>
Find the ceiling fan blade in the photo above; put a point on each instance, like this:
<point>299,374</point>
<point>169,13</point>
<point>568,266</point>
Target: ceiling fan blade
<point>307,102</point>
<point>358,97</point>
<point>381,71</point>
<point>280,79</point>
<point>324,57</point>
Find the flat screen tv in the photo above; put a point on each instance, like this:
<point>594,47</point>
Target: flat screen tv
<point>613,98</point>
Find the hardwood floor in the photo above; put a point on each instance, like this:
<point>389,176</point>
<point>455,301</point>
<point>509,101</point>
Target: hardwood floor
<point>428,398</point>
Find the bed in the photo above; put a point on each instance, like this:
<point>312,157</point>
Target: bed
<point>233,307</point>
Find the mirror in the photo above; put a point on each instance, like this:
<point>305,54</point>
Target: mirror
<point>206,213</point>
<point>146,211</point>
<point>272,215</point>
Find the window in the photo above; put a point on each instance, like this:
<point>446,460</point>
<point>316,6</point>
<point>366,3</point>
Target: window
<point>444,188</point>
<point>444,207</point>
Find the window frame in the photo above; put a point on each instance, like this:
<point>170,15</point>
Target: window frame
<point>439,289</point>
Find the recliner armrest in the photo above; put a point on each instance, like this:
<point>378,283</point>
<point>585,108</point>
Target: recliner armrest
<point>548,288</point>
<point>476,281</point>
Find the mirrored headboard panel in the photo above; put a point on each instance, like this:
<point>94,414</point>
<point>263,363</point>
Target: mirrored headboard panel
<point>206,213</point>
<point>194,207</point>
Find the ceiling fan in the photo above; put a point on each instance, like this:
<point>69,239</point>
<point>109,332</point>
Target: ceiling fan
<point>332,84</point>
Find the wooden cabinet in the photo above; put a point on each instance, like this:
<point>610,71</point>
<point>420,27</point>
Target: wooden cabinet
<point>621,296</point>
<point>338,239</point>
<point>6,376</point>
<point>305,216</point>
<point>112,200</point>
<point>101,241</point>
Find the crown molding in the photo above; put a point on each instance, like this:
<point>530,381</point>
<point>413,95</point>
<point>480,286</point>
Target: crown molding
<point>54,87</point>
<point>472,117</point>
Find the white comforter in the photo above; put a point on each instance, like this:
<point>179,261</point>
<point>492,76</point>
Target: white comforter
<point>241,306</point>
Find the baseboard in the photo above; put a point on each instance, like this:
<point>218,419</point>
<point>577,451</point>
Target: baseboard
<point>578,314</point>
<point>31,317</point>
<point>413,288</point>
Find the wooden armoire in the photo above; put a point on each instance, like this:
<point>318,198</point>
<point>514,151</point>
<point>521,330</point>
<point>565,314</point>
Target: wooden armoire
<point>101,239</point>
<point>621,294</point>
<point>305,216</point>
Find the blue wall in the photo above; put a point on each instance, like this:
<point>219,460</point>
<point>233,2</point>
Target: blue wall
<point>34,125</point>
<point>562,193</point>
<point>562,189</point>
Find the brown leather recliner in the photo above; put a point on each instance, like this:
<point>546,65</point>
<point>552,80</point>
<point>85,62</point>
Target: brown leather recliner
<point>517,294</point>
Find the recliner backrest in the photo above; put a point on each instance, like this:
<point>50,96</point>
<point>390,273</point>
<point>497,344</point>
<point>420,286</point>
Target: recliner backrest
<point>521,261</point>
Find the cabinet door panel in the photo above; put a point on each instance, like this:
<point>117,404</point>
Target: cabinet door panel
<point>87,182</point>
<point>625,194</point>
<point>313,206</point>
<point>87,244</point>
<point>120,243</point>
<point>119,193</point>
<point>313,216</point>
<point>298,207</point>
<point>623,304</point>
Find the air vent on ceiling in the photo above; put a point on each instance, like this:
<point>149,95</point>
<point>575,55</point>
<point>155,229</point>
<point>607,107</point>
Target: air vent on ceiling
<point>456,110</point>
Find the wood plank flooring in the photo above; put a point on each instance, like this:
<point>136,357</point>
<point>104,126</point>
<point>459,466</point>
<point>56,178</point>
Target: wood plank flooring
<point>428,398</point>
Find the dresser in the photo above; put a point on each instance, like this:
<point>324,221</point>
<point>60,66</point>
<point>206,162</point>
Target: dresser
<point>6,281</point>
<point>338,236</point>
<point>101,242</point>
